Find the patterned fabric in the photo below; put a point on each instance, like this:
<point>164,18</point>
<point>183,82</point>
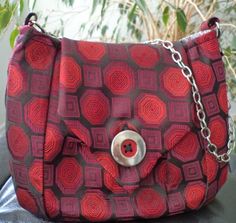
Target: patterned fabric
<point>67,99</point>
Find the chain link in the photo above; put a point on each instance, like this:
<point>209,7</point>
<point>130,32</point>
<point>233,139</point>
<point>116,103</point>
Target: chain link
<point>201,115</point>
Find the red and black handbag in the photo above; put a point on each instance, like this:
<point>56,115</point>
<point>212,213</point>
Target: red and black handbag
<point>102,131</point>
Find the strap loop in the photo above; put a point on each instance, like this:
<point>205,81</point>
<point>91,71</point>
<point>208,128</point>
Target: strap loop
<point>28,19</point>
<point>33,22</point>
<point>212,23</point>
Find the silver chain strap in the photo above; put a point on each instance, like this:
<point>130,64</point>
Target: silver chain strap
<point>205,131</point>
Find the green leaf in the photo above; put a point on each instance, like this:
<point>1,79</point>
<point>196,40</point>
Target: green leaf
<point>142,5</point>
<point>12,7</point>
<point>117,36</point>
<point>94,6</point>
<point>71,2</point>
<point>82,27</point>
<point>181,19</point>
<point>138,34</point>
<point>68,2</point>
<point>104,29</point>
<point>165,15</point>
<point>131,14</point>
<point>5,17</point>
<point>21,6</point>
<point>103,7</point>
<point>227,52</point>
<point>14,34</point>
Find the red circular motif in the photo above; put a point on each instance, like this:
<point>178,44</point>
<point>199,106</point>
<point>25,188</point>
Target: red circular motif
<point>168,176</point>
<point>151,109</point>
<point>18,142</point>
<point>174,134</point>
<point>161,174</point>
<point>218,131</point>
<point>87,155</point>
<point>144,56</point>
<point>95,206</point>
<point>118,126</point>
<point>55,79</point>
<point>175,82</point>
<point>129,148</point>
<point>95,106</point>
<point>222,97</point>
<point>149,203</point>
<point>210,49</point>
<point>26,200</point>
<point>174,176</point>
<point>36,175</point>
<point>204,76</point>
<point>83,135</point>
<point>70,76</point>
<point>183,151</point>
<point>16,82</point>
<point>39,55</point>
<point>108,163</point>
<point>53,142</point>
<point>93,51</point>
<point>51,203</point>
<point>80,131</point>
<point>223,177</point>
<point>112,185</point>
<point>194,194</point>
<point>146,166</point>
<point>69,175</point>
<point>210,167</point>
<point>195,119</point>
<point>119,78</point>
<point>36,113</point>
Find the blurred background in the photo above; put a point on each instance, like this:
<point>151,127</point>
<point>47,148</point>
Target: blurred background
<point>119,21</point>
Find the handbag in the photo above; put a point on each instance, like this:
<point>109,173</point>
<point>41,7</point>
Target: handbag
<point>102,131</point>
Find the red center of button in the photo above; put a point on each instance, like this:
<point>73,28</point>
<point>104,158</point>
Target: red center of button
<point>129,148</point>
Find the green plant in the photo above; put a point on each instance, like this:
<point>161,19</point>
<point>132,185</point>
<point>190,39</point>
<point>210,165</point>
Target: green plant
<point>13,10</point>
<point>7,11</point>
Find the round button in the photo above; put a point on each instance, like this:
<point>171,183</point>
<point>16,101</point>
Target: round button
<point>128,148</point>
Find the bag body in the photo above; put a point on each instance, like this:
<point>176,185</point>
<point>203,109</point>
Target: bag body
<point>67,101</point>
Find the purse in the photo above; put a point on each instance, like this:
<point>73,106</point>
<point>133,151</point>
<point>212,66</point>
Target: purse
<point>102,131</point>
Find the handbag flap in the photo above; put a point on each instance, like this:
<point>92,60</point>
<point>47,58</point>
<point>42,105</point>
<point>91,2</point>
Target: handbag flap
<point>106,88</point>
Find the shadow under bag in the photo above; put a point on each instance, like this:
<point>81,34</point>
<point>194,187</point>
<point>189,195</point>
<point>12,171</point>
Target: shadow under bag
<point>102,131</point>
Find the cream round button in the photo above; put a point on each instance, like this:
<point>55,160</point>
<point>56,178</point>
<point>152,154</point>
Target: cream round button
<point>128,148</point>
